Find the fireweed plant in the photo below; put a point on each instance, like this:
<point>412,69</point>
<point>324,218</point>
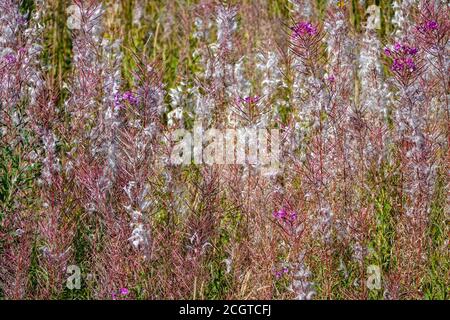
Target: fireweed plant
<point>93,95</point>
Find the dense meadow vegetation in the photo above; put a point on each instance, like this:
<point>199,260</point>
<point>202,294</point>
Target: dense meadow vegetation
<point>92,94</point>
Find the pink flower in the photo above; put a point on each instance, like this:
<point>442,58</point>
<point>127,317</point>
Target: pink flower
<point>285,216</point>
<point>118,100</point>
<point>130,98</point>
<point>280,214</point>
<point>250,100</point>
<point>397,65</point>
<point>302,29</point>
<point>331,79</point>
<point>22,20</point>
<point>401,49</point>
<point>410,63</point>
<point>432,25</point>
<point>281,273</point>
<point>429,25</point>
<point>403,57</point>
<point>293,216</point>
<point>10,58</point>
<point>124,291</point>
<point>411,51</point>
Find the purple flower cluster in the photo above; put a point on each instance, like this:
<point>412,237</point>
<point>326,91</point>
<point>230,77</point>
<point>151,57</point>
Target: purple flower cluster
<point>128,97</point>
<point>402,57</point>
<point>331,79</point>
<point>401,49</point>
<point>122,292</point>
<point>401,65</point>
<point>302,29</point>
<point>285,215</point>
<point>281,273</point>
<point>10,58</point>
<point>429,25</point>
<point>22,20</point>
<point>250,100</point>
